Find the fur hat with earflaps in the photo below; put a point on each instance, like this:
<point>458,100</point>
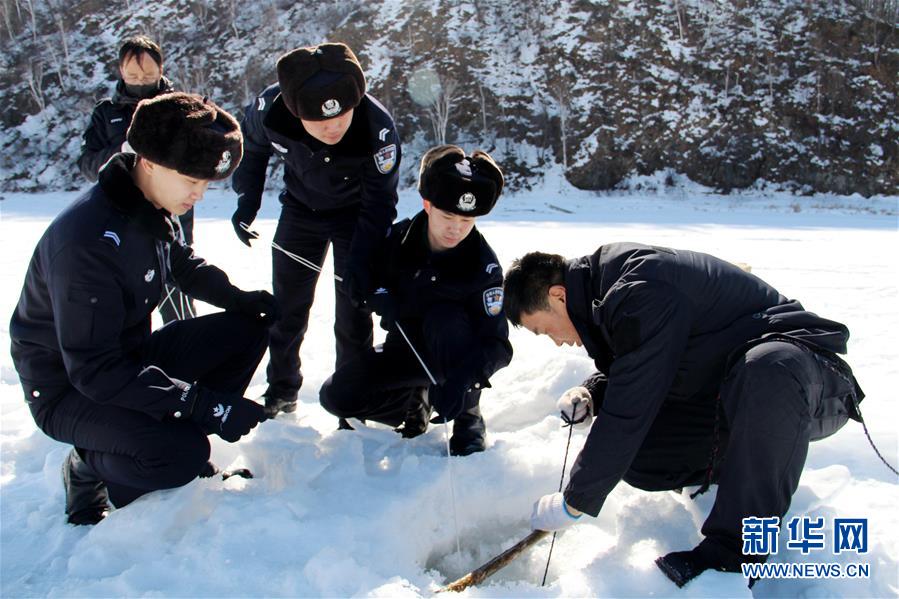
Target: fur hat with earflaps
<point>187,133</point>
<point>454,182</point>
<point>320,82</point>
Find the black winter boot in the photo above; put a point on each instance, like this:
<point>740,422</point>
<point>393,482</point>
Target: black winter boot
<point>208,471</point>
<point>275,405</point>
<point>87,501</point>
<point>418,413</point>
<point>469,433</point>
<point>683,566</point>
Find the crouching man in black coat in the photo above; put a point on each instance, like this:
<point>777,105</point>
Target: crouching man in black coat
<point>706,374</point>
<point>138,405</point>
<point>439,282</point>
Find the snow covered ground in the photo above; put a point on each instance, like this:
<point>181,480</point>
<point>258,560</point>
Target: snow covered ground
<point>338,513</point>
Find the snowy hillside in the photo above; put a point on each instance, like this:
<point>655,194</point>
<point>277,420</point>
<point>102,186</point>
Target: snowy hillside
<point>796,92</point>
<point>366,513</point>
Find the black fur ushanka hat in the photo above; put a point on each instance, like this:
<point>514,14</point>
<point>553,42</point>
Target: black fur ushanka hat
<point>320,82</point>
<point>187,133</point>
<point>454,182</point>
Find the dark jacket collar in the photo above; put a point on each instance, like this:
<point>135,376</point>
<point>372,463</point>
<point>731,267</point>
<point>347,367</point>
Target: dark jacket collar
<point>458,262</point>
<point>125,197</point>
<point>580,303</point>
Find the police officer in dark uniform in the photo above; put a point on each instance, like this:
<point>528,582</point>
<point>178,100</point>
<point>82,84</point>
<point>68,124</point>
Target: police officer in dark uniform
<point>706,374</point>
<point>141,77</point>
<point>341,155</point>
<point>138,406</point>
<point>438,281</point>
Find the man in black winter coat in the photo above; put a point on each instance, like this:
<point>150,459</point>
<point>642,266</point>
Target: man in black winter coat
<point>141,77</point>
<point>341,154</point>
<point>706,374</point>
<point>438,282</point>
<point>138,405</point>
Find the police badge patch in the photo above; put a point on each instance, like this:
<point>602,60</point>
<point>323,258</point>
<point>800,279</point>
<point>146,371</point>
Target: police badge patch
<point>467,202</point>
<point>493,301</point>
<point>385,159</point>
<point>224,164</point>
<point>330,108</point>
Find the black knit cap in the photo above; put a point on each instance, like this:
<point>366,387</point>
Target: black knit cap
<point>320,82</point>
<point>454,182</point>
<point>187,133</point>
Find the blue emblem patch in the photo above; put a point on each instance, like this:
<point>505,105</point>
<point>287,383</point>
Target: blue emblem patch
<point>493,301</point>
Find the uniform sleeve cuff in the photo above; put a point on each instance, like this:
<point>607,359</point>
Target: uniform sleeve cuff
<point>570,515</point>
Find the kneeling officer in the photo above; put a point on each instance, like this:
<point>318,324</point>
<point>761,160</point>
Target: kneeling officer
<point>138,405</point>
<point>437,279</point>
<point>705,375</point>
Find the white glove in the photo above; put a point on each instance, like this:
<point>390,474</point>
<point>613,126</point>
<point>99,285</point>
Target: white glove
<point>576,407</point>
<point>551,514</point>
<point>126,147</point>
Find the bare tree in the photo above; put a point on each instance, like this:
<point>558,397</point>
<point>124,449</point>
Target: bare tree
<point>60,62</point>
<point>156,31</point>
<point>437,95</point>
<point>195,77</point>
<point>562,102</point>
<point>232,17</point>
<point>200,8</point>
<point>7,8</point>
<point>29,8</point>
<point>483,111</point>
<point>63,35</point>
<point>681,18</point>
<point>441,107</point>
<point>34,77</point>
<point>727,79</point>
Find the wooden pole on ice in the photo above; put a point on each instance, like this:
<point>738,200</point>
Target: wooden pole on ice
<point>497,563</point>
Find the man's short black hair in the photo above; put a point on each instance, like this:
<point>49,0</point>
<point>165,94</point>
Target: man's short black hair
<point>527,283</point>
<point>137,46</point>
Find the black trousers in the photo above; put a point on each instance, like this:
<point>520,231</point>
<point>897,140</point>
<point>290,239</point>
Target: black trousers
<point>770,401</point>
<point>308,234</point>
<point>378,383</point>
<point>177,305</point>
<point>133,452</point>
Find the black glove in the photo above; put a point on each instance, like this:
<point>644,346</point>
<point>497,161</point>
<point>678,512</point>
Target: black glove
<point>357,283</point>
<point>245,215</point>
<point>450,398</point>
<point>228,415</point>
<point>260,305</point>
<point>384,305</point>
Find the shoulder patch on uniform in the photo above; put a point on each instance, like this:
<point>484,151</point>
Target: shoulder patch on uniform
<point>112,236</point>
<point>493,301</point>
<point>382,134</point>
<point>491,267</point>
<point>261,105</point>
<point>385,158</point>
